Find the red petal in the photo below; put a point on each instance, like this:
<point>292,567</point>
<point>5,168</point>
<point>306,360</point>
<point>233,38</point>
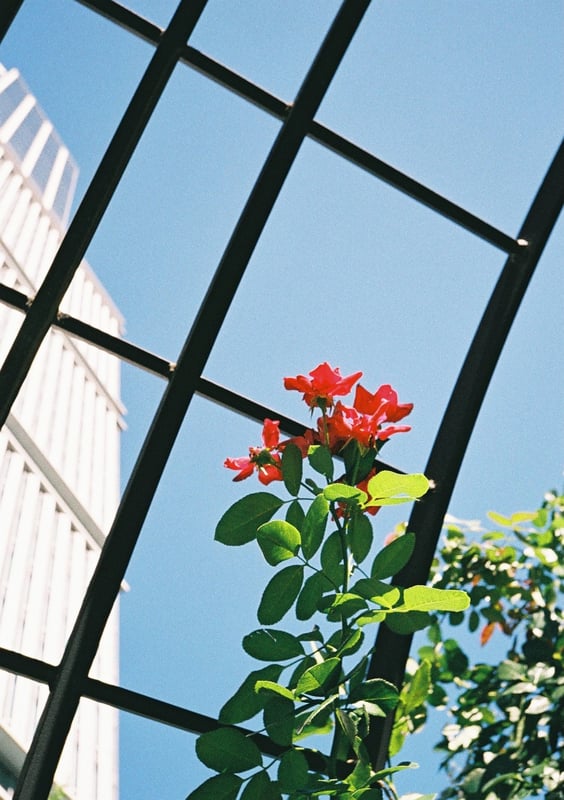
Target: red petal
<point>271,433</point>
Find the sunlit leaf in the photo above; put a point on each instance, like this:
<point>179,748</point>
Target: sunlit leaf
<point>240,522</point>
<point>428,598</point>
<point>418,689</point>
<point>227,750</point>
<point>379,592</point>
<point>389,488</point>
<point>342,492</point>
<point>344,606</point>
<point>280,593</point>
<point>371,617</point>
<point>274,688</point>
<point>278,541</point>
<point>316,679</point>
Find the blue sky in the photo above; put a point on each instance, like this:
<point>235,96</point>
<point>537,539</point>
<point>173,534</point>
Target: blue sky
<point>463,96</point>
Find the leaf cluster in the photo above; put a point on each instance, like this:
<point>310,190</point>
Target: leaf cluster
<point>506,737</point>
<point>313,681</point>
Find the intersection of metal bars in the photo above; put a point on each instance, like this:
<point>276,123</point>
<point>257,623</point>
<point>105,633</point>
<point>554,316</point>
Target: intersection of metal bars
<point>69,681</point>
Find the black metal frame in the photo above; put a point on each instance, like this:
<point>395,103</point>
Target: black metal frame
<point>68,681</point>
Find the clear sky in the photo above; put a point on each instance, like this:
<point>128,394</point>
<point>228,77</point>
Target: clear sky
<point>465,96</point>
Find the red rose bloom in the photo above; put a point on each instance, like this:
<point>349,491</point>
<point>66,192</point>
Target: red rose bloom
<point>265,460</point>
<point>364,420</point>
<point>322,386</point>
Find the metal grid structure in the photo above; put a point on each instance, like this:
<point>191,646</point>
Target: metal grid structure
<point>69,681</point>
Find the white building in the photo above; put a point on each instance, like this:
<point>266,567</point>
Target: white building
<point>59,456</point>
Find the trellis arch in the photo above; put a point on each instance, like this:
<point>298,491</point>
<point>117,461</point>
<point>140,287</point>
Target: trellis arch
<point>69,681</point>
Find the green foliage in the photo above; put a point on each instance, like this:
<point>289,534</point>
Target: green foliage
<point>317,683</point>
<point>239,524</point>
<point>505,739</point>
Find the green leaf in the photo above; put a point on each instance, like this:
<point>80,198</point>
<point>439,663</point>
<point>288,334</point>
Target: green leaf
<point>274,688</point>
<point>332,558</point>
<point>268,644</point>
<point>379,592</point>
<point>279,718</point>
<point>371,617</point>
<point>240,522</point>
<point>408,623</point>
<point>510,671</point>
<point>357,463</point>
<point>245,703</point>
<point>278,541</point>
<point>348,724</point>
<point>352,642</point>
<point>313,589</point>
<point>260,787</point>
<point>374,793</point>
<point>344,606</point>
<point>314,524</point>
<point>321,460</point>
<point>417,691</point>
<point>220,787</point>
<point>227,750</point>
<point>427,598</point>
<point>378,691</point>
<point>360,536</point>
<point>383,773</point>
<point>343,493</point>
<point>319,711</point>
<point>316,679</point>
<point>393,557</point>
<point>293,771</point>
<point>280,593</point>
<point>292,468</point>
<point>295,515</point>
<point>389,488</point>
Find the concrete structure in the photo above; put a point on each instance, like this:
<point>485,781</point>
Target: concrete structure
<point>59,456</point>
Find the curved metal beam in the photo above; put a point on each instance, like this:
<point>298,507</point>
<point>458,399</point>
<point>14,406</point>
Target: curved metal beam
<point>391,649</point>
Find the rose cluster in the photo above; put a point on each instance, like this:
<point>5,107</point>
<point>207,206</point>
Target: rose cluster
<point>368,423</point>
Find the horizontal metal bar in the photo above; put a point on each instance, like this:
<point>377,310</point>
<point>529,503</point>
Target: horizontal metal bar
<point>319,133</point>
<point>157,365</point>
<point>143,705</point>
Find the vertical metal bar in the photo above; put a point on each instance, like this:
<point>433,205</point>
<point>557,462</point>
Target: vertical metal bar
<point>98,195</point>
<point>392,650</point>
<point>51,732</point>
<point>8,12</point>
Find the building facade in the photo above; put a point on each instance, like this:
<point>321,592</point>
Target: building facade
<point>59,456</point>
